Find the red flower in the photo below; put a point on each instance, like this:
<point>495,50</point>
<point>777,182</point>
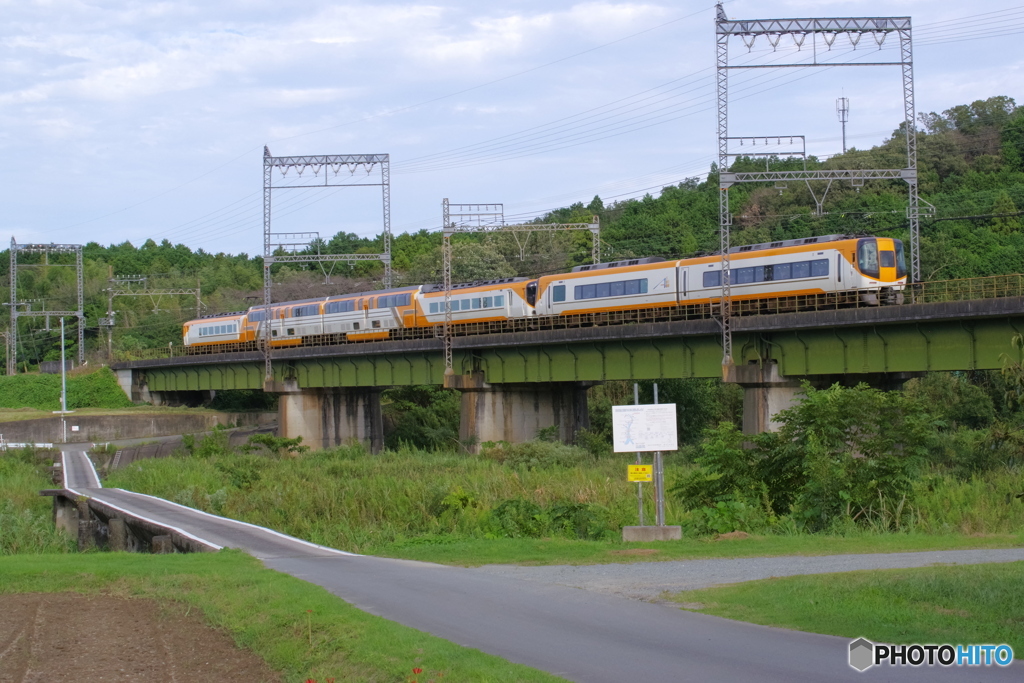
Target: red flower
<point>417,670</point>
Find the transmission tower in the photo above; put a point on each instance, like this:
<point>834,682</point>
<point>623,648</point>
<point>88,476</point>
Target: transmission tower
<point>331,166</point>
<point>463,218</point>
<point>46,250</point>
<point>823,34</point>
<point>843,111</point>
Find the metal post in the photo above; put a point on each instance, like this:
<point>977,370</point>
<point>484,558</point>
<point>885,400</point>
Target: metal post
<point>446,280</point>
<point>843,111</point>
<point>63,386</point>
<point>639,461</point>
<point>724,217</point>
<point>385,170</point>
<point>12,337</point>
<point>268,171</point>
<point>659,479</point>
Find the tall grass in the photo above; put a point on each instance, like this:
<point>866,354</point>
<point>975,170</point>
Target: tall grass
<point>988,503</point>
<point>349,499</point>
<point>25,517</point>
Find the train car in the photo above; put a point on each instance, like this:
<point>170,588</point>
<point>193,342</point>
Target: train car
<point>214,330</point>
<point>478,302</point>
<point>370,315</point>
<point>871,269</point>
<point>629,284</point>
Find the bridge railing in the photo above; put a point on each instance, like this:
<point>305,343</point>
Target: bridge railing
<point>967,289</point>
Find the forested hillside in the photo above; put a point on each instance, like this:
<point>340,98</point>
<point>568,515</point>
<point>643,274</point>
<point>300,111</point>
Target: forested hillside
<point>971,164</point>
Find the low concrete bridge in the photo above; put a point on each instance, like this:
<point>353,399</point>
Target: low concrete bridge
<point>514,384</point>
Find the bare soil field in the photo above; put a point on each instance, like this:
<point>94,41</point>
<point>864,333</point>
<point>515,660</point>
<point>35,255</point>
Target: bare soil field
<point>71,637</point>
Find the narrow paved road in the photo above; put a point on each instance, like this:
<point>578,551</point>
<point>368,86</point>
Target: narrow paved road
<point>577,634</point>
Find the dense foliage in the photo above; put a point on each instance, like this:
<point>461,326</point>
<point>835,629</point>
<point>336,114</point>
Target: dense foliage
<point>97,389</point>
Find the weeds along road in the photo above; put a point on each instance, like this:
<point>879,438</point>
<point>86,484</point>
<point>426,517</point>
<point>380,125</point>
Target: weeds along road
<point>577,634</point>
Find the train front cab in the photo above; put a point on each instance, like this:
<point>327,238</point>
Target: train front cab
<point>882,265</point>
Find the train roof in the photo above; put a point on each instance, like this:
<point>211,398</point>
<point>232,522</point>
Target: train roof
<point>219,315</point>
<point>475,283</point>
<point>791,243</point>
<point>375,292</point>
<point>618,264</point>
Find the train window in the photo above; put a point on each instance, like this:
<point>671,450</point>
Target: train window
<point>901,263</point>
<point>782,271</point>
<point>375,323</point>
<point>867,257</point>
<point>531,293</point>
<point>257,316</point>
<point>339,307</point>
<point>819,267</point>
<point>801,269</point>
<point>355,326</point>
<point>465,304</point>
<point>476,303</point>
<point>434,307</point>
<point>291,330</point>
<point>499,301</point>
<point>744,276</point>
<point>558,293</point>
<point>606,289</point>
<point>488,301</point>
<point>888,259</point>
<point>273,333</point>
<point>713,278</point>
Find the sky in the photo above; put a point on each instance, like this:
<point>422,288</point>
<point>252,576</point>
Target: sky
<point>136,120</point>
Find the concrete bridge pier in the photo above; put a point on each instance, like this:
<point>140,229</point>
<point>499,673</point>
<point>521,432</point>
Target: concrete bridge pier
<point>766,392</point>
<point>332,416</point>
<point>518,412</point>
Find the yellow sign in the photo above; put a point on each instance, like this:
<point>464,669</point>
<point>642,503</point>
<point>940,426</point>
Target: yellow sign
<point>640,472</point>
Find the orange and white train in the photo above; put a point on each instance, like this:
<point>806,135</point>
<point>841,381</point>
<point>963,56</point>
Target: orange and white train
<point>871,269</point>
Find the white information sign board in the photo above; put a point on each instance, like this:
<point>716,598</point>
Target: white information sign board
<point>644,428</point>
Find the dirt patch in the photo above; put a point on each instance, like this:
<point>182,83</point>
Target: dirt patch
<point>732,536</point>
<point>72,637</point>
<point>953,612</point>
<point>635,551</point>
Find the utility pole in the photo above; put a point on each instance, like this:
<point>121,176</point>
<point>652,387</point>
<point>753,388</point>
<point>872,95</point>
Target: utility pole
<point>843,111</point>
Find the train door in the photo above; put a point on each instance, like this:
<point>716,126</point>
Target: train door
<point>682,283</point>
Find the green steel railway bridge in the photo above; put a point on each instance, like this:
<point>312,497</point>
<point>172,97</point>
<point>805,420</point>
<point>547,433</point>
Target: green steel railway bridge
<point>517,378</point>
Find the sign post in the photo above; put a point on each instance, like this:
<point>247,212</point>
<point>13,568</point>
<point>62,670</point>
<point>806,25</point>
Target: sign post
<point>640,429</point>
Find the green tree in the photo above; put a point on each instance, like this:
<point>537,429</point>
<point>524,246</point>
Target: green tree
<point>1004,222</point>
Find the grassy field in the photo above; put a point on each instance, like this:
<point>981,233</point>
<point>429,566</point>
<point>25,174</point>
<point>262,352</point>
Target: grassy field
<point>549,551</point>
<point>298,628</point>
<point>943,604</point>
<point>549,505</point>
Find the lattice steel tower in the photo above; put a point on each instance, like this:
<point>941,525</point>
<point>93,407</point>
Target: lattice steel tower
<point>46,250</point>
<point>332,163</point>
<point>825,32</point>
